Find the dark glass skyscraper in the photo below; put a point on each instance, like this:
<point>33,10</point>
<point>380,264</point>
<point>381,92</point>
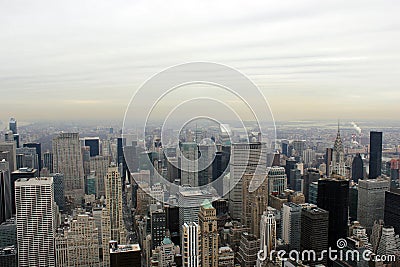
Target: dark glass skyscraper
<point>285,147</point>
<point>59,198</point>
<point>158,227</point>
<point>328,159</point>
<point>290,164</point>
<point>375,154</point>
<point>314,231</point>
<point>6,200</point>
<point>357,168</point>
<point>120,150</point>
<point>392,210</point>
<point>94,144</point>
<point>13,125</point>
<point>333,196</point>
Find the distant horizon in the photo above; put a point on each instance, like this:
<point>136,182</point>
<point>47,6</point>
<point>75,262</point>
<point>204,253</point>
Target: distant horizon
<point>344,123</point>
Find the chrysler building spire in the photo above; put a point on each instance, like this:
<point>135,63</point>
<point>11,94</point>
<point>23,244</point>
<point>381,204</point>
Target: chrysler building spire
<point>338,164</point>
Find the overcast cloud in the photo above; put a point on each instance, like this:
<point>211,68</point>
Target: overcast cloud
<point>312,59</point>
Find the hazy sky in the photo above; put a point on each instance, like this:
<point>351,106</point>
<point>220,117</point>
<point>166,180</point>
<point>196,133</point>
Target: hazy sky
<point>312,59</point>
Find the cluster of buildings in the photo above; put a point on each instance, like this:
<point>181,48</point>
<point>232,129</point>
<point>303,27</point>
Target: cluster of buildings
<point>133,201</point>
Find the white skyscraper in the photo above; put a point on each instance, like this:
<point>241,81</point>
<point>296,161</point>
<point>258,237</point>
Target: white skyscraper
<point>267,235</point>
<point>245,158</point>
<point>190,245</point>
<point>79,243</point>
<point>35,221</point>
<point>67,159</point>
<point>114,204</point>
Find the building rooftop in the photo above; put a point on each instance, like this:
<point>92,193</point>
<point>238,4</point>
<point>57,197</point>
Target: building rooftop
<point>207,204</point>
<point>35,180</point>
<point>10,250</point>
<point>126,248</point>
<point>25,170</point>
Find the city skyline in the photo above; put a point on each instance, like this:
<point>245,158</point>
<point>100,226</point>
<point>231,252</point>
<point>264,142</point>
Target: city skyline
<point>199,133</point>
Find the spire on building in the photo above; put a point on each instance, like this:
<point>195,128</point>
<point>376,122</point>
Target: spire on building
<point>338,165</point>
<point>338,146</point>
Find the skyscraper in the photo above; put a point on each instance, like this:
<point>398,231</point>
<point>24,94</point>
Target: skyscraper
<point>371,201</point>
<point>59,197</point>
<point>290,165</point>
<point>158,227</point>
<point>94,144</point>
<point>375,154</point>
<point>314,232</point>
<point>190,245</point>
<point>13,125</point>
<point>172,223</point>
<point>99,165</point>
<point>357,168</point>
<point>299,146</point>
<point>121,142</point>
<point>82,243</point>
<point>395,170</point>
<point>245,158</point>
<point>310,176</point>
<point>38,148</point>
<point>295,180</point>
<point>285,148</point>
<point>21,173</point>
<point>205,164</point>
<point>268,234</point>
<point>189,204</point>
<point>67,159</point>
<point>328,160</point>
<point>389,242</point>
<point>308,157</point>
<point>291,225</point>
<point>333,196</point>
<point>114,204</point>
<point>277,180</point>
<point>248,250</point>
<point>255,200</point>
<point>105,236</point>
<point>27,158</point>
<point>8,152</point>
<point>6,197</point>
<point>208,235</point>
<point>392,210</point>
<point>338,164</point>
<point>35,222</point>
<point>48,161</point>
<point>353,203</point>
<point>189,165</point>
